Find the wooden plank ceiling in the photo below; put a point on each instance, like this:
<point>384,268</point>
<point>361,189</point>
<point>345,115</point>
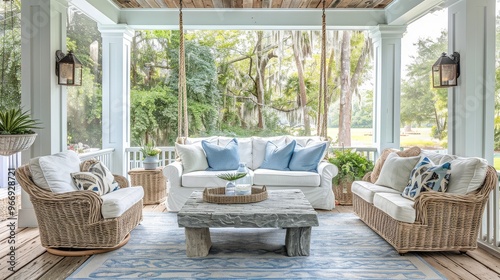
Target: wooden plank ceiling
<point>275,4</point>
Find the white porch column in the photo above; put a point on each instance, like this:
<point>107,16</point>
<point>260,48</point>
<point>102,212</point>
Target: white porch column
<point>387,92</point>
<point>43,31</point>
<point>116,42</point>
<point>471,104</point>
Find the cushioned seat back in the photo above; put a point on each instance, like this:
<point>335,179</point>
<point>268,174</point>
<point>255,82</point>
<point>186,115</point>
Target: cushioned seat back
<point>53,172</point>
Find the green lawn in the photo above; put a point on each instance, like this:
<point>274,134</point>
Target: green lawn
<point>362,137</point>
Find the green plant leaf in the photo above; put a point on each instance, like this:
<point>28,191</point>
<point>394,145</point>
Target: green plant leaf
<point>231,176</point>
<point>15,121</point>
<point>351,165</point>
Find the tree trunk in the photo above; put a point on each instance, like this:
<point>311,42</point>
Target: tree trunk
<point>345,91</point>
<point>297,54</point>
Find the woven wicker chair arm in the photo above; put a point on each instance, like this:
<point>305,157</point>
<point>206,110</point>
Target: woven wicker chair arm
<point>122,181</point>
<point>77,206</point>
<point>459,202</point>
<point>367,177</point>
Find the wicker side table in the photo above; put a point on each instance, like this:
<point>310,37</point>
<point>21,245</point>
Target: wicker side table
<point>153,183</point>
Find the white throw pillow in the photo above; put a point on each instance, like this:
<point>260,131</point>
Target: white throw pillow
<point>192,157</point>
<point>53,172</point>
<point>211,139</point>
<point>396,171</point>
<point>467,174</point>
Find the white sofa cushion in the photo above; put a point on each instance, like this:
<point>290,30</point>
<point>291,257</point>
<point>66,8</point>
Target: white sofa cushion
<point>211,139</point>
<point>303,140</point>
<point>367,190</point>
<point>396,206</point>
<point>396,171</point>
<point>114,204</point>
<point>285,178</point>
<point>205,179</point>
<point>467,174</point>
<point>53,172</point>
<point>192,157</point>
<point>259,148</point>
<point>244,149</point>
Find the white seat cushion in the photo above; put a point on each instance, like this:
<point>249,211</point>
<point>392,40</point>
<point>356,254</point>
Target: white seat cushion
<point>53,172</point>
<point>367,190</point>
<point>205,179</point>
<point>285,178</point>
<point>396,206</point>
<point>114,204</point>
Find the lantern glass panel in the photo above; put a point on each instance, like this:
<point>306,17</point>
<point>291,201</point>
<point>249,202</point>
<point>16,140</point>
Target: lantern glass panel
<point>65,73</point>
<point>449,74</point>
<point>78,75</point>
<point>435,76</point>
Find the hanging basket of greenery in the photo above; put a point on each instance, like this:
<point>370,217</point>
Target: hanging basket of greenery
<point>352,166</point>
<point>16,131</point>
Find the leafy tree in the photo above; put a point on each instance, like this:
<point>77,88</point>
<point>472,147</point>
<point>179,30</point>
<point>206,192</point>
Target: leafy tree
<point>420,103</point>
<point>10,65</point>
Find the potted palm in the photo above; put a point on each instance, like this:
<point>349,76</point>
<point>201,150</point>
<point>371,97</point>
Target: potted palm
<point>16,131</point>
<point>352,166</point>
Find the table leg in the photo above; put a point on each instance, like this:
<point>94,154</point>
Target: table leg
<point>298,241</point>
<point>198,242</point>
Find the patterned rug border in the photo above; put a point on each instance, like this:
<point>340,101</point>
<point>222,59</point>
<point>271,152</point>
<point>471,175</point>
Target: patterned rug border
<point>159,253</point>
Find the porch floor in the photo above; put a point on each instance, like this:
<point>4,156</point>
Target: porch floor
<point>34,262</point>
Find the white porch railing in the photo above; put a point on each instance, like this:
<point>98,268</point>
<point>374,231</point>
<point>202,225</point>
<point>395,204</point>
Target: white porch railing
<point>134,156</point>
<point>369,153</point>
<point>8,164</point>
<point>103,155</point>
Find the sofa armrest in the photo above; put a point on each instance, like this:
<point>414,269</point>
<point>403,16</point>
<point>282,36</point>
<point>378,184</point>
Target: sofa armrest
<point>173,173</point>
<point>326,172</point>
<point>468,207</point>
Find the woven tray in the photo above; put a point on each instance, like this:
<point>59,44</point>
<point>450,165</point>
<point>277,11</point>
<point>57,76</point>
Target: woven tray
<point>217,195</point>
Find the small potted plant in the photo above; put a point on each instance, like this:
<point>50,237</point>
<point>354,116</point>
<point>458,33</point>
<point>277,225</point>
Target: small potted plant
<point>231,178</point>
<point>16,131</point>
<point>352,166</point>
<point>150,156</point>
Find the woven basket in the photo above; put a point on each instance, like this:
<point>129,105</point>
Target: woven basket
<point>217,195</point>
<point>153,183</point>
<point>343,193</point>
<point>11,144</point>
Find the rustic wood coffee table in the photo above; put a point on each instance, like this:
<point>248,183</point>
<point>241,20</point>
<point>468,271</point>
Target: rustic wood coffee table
<point>287,209</point>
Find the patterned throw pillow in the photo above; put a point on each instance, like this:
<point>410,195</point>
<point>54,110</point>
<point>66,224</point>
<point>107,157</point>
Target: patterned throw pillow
<point>106,180</point>
<point>427,177</point>
<point>88,181</point>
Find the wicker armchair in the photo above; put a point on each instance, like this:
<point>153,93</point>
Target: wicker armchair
<point>73,219</point>
<point>444,221</point>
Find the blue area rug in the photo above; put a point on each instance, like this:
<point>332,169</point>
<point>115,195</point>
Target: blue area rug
<point>342,247</point>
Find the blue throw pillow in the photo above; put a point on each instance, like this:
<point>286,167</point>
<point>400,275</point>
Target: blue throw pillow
<point>278,158</point>
<point>307,158</point>
<point>222,158</point>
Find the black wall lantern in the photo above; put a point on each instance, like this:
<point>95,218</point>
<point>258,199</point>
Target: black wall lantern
<point>68,69</point>
<point>446,70</point>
